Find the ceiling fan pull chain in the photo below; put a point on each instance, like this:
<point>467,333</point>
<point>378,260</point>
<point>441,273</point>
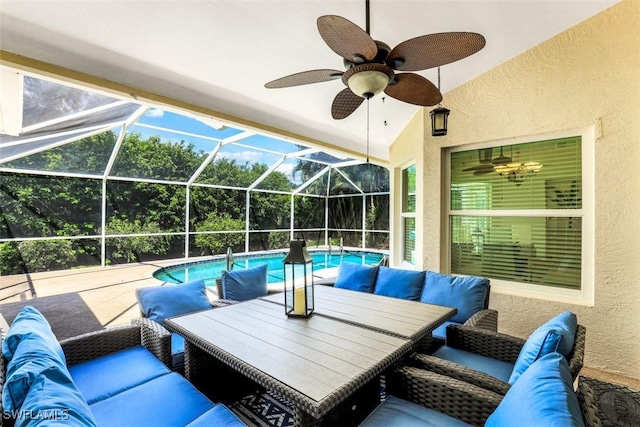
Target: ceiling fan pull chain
<point>368,129</point>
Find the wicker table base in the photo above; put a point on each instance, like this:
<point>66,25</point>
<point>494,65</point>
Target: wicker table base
<point>618,406</point>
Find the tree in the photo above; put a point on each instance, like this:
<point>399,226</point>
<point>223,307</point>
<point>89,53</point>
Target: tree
<point>217,243</point>
<point>45,255</point>
<point>131,247</point>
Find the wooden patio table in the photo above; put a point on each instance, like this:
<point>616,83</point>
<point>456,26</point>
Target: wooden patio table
<point>403,318</point>
<point>317,362</point>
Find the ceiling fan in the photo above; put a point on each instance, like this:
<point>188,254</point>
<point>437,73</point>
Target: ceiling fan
<point>486,162</point>
<point>371,65</point>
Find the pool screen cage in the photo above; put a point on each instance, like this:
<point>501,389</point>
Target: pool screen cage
<point>89,179</point>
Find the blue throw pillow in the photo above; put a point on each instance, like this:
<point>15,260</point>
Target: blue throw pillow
<point>398,283</point>
<point>30,323</point>
<point>246,284</point>
<point>566,323</point>
<point>22,372</point>
<point>542,396</point>
<point>553,335</point>
<point>160,302</point>
<point>54,400</point>
<point>467,294</point>
<point>356,277</point>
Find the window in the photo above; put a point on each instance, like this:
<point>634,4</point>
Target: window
<point>517,216</point>
<point>408,214</point>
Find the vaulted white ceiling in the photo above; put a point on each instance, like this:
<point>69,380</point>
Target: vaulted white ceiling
<point>219,53</point>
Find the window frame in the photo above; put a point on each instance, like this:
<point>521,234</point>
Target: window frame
<point>404,215</point>
<point>583,296</point>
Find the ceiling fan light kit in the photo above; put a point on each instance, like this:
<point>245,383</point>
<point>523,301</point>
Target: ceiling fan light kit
<point>367,80</point>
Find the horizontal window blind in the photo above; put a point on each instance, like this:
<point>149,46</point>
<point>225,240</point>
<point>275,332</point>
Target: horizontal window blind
<point>516,212</point>
<point>409,240</point>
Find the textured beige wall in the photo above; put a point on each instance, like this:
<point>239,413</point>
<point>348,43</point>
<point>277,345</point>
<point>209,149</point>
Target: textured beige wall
<point>406,151</point>
<point>588,74</point>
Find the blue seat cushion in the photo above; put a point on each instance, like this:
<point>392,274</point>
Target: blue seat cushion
<point>168,400</point>
<point>105,376</point>
<point>441,331</point>
<point>246,284</point>
<point>399,283</point>
<point>53,399</point>
<point>396,412</point>
<point>557,334</point>
<point>495,368</point>
<point>356,277</point>
<point>30,323</point>
<point>177,350</point>
<point>542,396</point>
<point>468,294</point>
<point>160,302</point>
<point>219,415</point>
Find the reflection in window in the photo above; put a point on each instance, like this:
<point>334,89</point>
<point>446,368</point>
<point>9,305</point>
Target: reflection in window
<point>516,212</point>
<point>408,214</point>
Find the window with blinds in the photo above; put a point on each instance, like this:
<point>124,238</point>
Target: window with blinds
<point>408,214</point>
<point>516,212</point>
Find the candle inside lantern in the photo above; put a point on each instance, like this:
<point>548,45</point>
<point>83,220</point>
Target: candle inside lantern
<point>299,302</point>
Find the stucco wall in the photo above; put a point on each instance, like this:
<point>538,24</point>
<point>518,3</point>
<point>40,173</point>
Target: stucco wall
<point>587,75</point>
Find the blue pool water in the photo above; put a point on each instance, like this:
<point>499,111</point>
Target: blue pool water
<point>209,270</point>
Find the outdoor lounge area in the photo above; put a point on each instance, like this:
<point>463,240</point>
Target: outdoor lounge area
<point>459,273</point>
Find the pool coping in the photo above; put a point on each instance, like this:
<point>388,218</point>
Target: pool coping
<point>264,254</point>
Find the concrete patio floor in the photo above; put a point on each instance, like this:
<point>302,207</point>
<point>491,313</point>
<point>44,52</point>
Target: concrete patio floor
<point>110,294</point>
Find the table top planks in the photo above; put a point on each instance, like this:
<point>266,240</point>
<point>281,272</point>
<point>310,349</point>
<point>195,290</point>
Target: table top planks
<point>403,318</point>
<point>317,356</point>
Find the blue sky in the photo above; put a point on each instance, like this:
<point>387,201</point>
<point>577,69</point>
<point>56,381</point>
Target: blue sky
<point>242,153</point>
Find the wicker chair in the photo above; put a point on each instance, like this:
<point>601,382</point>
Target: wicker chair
<point>464,401</point>
<point>494,345</point>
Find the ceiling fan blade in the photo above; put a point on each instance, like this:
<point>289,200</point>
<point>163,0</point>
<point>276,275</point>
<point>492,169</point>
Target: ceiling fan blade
<point>304,78</point>
<point>347,39</point>
<point>481,169</point>
<point>414,89</point>
<point>345,103</point>
<point>434,50</point>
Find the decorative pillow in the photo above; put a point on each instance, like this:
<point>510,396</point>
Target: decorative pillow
<point>22,372</point>
<point>54,400</point>
<point>550,337</point>
<point>566,323</point>
<point>398,283</point>
<point>542,396</point>
<point>246,284</point>
<point>356,277</point>
<point>467,294</point>
<point>160,302</point>
<point>30,323</point>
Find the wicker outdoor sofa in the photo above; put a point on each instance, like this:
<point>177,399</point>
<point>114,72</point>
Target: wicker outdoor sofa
<point>116,376</point>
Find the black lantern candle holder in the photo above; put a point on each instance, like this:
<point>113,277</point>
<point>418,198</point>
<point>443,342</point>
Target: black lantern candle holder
<point>298,280</point>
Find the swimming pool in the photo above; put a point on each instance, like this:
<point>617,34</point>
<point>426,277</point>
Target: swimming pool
<point>211,269</point>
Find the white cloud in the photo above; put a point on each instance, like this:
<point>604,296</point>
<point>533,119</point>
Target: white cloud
<point>287,170</point>
<point>243,157</point>
<point>154,112</point>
